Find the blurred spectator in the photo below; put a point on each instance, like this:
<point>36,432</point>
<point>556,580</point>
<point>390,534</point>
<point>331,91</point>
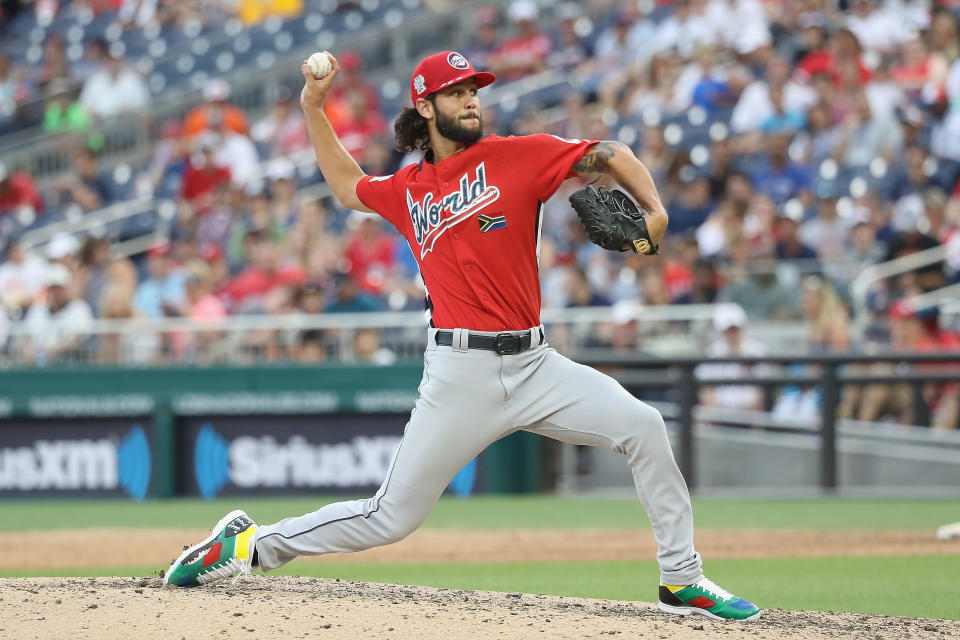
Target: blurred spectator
<point>86,185</point>
<point>311,347</point>
<point>692,205</point>
<point>759,292</point>
<point>62,249</point>
<point>826,233</point>
<point>359,124</point>
<point>129,347</point>
<point>367,348</point>
<point>789,245</point>
<point>910,239</point>
<point>527,51</point>
<point>349,299</point>
<point>114,90</point>
<point>202,176</point>
<point>730,323</point>
<point>216,111</point>
<point>350,80</point>
<point>686,28</point>
<point>63,112</point>
<point>866,135</point>
<point>370,252</point>
<point>95,55</point>
<point>266,272</point>
<point>202,306</point>
<point>54,65</point>
<point>236,152</point>
<point>485,37</point>
<point>23,275</point>
<point>842,51</point>
<point>14,91</point>
<point>281,177</point>
<point>162,293</point>
<point>619,50</point>
<point>573,53</point>
<point>910,176</point>
<point>876,28</point>
<point>58,327</point>
<point>18,189</point>
<point>283,130</point>
<point>713,236</point>
<point>91,278</point>
<point>579,293</point>
<point>756,104</point>
<point>780,177</point>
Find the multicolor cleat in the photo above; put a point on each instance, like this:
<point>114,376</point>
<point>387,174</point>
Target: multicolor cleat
<point>224,554</point>
<point>706,598</point>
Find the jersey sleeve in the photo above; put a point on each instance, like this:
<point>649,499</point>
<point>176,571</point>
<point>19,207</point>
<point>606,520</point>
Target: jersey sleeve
<point>381,194</point>
<point>551,160</point>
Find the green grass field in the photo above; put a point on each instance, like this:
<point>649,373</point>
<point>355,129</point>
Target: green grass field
<point>896,585</point>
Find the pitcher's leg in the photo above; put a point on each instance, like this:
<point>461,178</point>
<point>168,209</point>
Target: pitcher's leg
<point>456,417</point>
<point>579,405</point>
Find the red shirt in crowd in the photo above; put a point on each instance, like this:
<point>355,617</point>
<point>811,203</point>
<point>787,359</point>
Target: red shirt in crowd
<point>473,223</point>
<point>822,61</point>
<point>370,263</point>
<point>254,282</point>
<point>199,182</point>
<point>356,135</point>
<point>20,189</point>
<point>521,56</point>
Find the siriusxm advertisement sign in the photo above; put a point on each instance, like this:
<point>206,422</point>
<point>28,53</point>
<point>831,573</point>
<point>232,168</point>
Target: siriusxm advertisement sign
<point>231,455</point>
<point>79,457</point>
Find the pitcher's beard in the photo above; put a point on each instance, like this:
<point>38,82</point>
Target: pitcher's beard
<point>451,129</point>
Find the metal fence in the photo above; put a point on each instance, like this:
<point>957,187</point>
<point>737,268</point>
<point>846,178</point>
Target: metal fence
<point>381,337</point>
<point>676,380</point>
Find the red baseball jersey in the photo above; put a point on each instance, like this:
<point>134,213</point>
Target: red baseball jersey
<point>473,224</point>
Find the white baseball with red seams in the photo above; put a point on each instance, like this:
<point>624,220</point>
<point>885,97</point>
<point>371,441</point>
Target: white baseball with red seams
<point>473,223</point>
<point>319,65</point>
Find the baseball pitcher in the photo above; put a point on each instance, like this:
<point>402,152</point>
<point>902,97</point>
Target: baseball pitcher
<point>471,212</point>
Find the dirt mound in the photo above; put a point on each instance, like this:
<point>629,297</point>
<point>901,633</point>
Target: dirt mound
<point>281,608</point>
<point>80,548</point>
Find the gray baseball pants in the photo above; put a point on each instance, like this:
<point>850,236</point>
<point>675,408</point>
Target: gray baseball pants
<point>468,400</point>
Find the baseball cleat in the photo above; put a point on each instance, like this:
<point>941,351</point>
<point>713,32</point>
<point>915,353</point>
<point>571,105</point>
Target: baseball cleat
<point>707,599</point>
<point>225,553</point>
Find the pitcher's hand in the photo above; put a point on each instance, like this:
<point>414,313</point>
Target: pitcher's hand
<point>314,91</point>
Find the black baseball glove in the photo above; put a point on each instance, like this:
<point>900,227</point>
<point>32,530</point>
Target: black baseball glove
<point>611,219</point>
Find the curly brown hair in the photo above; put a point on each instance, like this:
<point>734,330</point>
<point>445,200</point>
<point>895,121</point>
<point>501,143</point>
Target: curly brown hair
<point>410,129</point>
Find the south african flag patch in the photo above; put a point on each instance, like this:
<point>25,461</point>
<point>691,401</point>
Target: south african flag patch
<point>491,223</point>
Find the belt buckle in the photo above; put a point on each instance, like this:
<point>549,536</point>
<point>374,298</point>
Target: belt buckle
<point>508,344</point>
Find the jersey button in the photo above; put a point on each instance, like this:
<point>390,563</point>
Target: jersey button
<point>446,184</point>
<point>466,268</point>
<point>484,298</point>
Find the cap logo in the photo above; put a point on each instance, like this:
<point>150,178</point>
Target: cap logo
<point>419,84</point>
<point>457,61</point>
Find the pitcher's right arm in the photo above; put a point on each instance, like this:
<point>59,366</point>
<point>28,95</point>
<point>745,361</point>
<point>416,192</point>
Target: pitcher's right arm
<point>338,167</point>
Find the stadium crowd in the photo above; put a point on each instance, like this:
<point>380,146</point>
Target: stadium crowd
<point>827,139</point>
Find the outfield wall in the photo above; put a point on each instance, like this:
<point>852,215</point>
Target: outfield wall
<point>223,431</point>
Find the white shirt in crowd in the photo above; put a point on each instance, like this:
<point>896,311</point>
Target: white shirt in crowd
<point>24,280</point>
<point>734,396</point>
<point>106,95</point>
<point>754,106</point>
<point>238,153</point>
<point>53,331</point>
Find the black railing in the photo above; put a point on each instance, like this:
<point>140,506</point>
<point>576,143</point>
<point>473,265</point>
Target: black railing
<point>682,379</point>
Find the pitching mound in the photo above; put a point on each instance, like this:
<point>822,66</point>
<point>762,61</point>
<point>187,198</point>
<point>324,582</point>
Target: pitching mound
<point>282,608</point>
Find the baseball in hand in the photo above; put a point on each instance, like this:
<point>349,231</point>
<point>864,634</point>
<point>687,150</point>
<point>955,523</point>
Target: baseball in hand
<point>319,65</point>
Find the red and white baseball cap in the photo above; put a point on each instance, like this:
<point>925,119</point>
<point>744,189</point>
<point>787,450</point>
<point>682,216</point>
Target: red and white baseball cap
<point>441,70</point>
